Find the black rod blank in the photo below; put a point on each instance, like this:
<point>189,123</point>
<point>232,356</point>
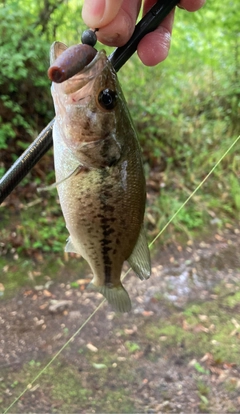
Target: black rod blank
<point>146,25</point>
<point>118,58</point>
<point>26,161</point>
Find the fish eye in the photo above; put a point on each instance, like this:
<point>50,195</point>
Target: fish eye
<point>107,99</point>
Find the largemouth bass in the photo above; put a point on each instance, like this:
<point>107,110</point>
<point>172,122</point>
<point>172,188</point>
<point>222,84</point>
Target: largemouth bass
<point>99,176</point>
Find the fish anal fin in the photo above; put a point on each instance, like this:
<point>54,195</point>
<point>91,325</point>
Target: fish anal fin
<point>117,296</point>
<point>140,258</point>
<point>69,248</point>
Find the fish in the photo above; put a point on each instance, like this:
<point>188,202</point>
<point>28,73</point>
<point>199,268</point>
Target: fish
<point>100,176</point>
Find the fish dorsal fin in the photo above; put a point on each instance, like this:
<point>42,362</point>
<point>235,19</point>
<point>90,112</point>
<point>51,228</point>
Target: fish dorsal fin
<point>140,258</point>
<point>69,248</point>
<point>56,50</point>
<point>117,296</point>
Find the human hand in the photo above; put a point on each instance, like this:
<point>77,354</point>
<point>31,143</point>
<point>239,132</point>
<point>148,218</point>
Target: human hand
<point>117,20</point>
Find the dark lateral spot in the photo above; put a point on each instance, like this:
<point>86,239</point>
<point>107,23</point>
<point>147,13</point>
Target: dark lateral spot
<point>107,193</point>
<point>105,242</point>
<point>107,261</point>
<point>109,186</point>
<point>104,223</point>
<point>108,232</point>
<point>109,208</point>
<point>101,216</point>
<point>107,270</point>
<point>105,250</point>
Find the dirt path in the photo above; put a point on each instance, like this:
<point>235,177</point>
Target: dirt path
<point>177,351</point>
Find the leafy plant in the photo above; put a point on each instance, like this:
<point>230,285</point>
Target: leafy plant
<point>186,111</point>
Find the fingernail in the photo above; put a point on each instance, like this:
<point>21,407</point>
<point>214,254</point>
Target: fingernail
<point>93,11</point>
<point>180,6</point>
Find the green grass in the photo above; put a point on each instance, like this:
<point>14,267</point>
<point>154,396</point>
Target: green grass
<point>70,390</point>
<point>217,340</point>
<point>185,141</point>
<point>186,113</point>
<point>100,382</point>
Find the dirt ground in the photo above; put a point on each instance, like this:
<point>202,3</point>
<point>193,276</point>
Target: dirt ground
<point>178,350</point>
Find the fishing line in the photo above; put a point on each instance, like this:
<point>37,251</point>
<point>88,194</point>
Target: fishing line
<point>29,386</point>
<point>194,192</point>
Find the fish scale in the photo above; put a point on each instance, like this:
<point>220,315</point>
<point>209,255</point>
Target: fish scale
<point>99,168</point>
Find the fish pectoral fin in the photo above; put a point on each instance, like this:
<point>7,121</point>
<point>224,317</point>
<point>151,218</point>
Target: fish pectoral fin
<point>140,258</point>
<point>69,248</point>
<point>55,185</point>
<point>117,296</point>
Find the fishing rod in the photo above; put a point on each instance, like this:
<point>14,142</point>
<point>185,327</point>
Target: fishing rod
<point>118,58</point>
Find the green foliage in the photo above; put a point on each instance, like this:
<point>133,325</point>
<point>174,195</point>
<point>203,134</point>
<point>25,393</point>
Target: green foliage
<point>132,346</point>
<point>25,102</point>
<point>186,110</point>
<point>43,236</point>
<point>34,363</point>
<point>187,114</point>
<point>199,368</point>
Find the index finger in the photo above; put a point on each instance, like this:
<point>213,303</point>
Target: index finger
<point>119,30</point>
<point>98,13</point>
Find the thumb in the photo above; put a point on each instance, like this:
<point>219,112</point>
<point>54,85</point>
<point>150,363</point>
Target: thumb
<point>98,13</point>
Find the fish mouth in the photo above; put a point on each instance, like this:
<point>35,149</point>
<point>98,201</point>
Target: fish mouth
<point>80,85</point>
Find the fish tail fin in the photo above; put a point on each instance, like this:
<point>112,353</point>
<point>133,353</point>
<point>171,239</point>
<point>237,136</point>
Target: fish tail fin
<point>117,296</point>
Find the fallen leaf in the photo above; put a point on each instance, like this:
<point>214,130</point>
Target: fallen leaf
<point>147,313</point>
<point>185,325</point>
<point>47,293</point>
<point>83,281</point>
<point>207,357</point>
<point>200,328</point>
<point>28,292</point>
<point>218,237</point>
<point>92,348</point>
<point>203,318</point>
<point>43,306</point>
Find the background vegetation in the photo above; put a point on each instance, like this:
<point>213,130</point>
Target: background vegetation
<point>181,342</point>
<point>186,111</point>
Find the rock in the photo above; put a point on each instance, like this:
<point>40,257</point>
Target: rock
<point>59,305</point>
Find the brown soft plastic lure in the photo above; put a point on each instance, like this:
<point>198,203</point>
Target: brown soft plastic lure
<point>70,62</point>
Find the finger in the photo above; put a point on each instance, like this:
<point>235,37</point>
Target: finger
<point>118,31</point>
<point>154,47</point>
<point>191,5</point>
<point>98,13</point>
